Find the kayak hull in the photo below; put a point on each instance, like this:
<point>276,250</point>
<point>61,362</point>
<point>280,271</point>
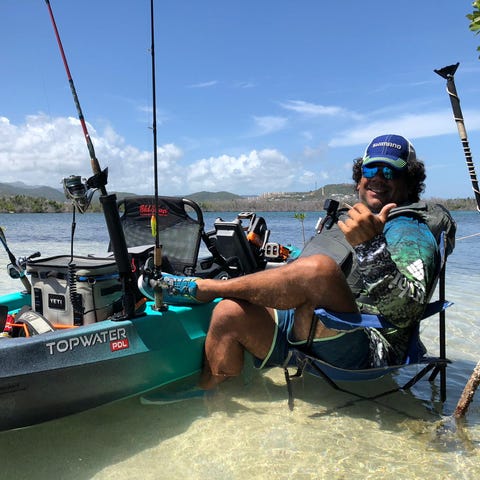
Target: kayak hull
<point>63,372</point>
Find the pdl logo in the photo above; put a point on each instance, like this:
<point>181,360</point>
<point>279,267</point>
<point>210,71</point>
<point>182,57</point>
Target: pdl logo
<point>121,344</point>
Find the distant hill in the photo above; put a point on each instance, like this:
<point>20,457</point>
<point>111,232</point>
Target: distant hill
<point>39,198</point>
<point>326,191</point>
<point>40,191</point>
<point>20,188</point>
<point>200,197</point>
<point>337,189</point>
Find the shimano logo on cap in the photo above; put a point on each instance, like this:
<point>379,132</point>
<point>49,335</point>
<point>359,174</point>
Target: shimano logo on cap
<point>387,144</point>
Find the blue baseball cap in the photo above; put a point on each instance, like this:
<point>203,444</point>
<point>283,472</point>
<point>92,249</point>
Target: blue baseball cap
<point>393,150</point>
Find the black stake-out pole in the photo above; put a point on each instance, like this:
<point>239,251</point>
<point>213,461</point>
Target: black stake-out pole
<point>448,73</point>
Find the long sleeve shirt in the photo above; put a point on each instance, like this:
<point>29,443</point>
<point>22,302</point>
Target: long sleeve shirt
<point>398,268</point>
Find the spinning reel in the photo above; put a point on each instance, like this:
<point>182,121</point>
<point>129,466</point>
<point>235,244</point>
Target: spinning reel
<point>78,191</point>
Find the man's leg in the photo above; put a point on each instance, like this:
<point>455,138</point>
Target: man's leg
<point>306,280</point>
<point>249,324</point>
<point>236,326</point>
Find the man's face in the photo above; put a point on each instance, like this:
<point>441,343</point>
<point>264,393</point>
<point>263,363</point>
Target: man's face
<point>377,191</point>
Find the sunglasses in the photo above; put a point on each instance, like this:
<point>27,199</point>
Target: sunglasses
<point>387,172</point>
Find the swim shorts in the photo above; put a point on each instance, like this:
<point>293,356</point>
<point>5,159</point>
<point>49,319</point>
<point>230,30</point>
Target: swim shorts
<point>349,350</point>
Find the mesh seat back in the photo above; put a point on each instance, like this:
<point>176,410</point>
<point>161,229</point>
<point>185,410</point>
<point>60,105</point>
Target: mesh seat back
<point>179,232</point>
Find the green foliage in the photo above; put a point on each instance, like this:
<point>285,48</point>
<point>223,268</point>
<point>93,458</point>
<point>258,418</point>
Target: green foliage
<point>209,196</point>
<point>301,218</point>
<point>474,18</point>
<point>25,204</point>
<point>280,203</point>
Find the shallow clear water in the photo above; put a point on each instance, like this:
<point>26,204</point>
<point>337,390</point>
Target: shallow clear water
<point>246,430</point>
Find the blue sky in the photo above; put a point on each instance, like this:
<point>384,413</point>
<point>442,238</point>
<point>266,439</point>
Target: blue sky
<point>253,96</point>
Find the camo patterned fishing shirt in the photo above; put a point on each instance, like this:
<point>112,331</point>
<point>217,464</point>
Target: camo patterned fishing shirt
<point>398,268</point>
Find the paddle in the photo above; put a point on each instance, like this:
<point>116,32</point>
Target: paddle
<point>13,261</point>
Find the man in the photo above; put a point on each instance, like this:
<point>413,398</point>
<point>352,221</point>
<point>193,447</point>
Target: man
<point>269,312</point>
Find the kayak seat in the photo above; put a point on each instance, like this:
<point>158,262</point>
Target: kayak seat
<point>179,223</point>
<point>181,231</point>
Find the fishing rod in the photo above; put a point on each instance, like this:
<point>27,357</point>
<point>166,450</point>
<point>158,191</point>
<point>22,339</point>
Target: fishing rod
<point>157,256</point>
<point>448,73</point>
<point>93,159</point>
<point>132,298</point>
<point>15,269</point>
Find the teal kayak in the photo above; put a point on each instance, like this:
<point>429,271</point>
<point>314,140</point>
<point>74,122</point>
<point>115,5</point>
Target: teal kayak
<point>67,371</point>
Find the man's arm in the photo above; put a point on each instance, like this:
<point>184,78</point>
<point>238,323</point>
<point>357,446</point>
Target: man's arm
<point>398,267</point>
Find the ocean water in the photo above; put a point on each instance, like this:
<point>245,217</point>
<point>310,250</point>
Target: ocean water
<point>246,430</point>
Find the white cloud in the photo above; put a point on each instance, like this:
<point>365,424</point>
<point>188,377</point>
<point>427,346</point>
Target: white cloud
<point>269,124</point>
<point>44,150</point>
<point>40,146</point>
<point>411,126</point>
<point>315,110</point>
<point>256,172</point>
<point>211,83</point>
